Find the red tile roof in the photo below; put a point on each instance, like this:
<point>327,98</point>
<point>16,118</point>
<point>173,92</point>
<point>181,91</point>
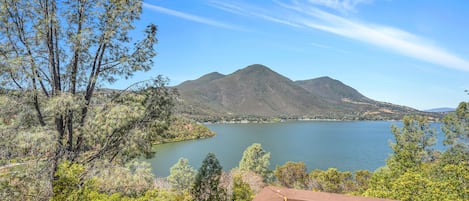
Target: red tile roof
<point>272,193</point>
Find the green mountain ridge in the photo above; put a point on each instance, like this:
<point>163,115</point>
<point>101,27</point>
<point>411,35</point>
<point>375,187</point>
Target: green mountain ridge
<point>258,91</point>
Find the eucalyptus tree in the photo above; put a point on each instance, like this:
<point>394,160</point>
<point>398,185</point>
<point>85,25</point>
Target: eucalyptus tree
<point>55,55</point>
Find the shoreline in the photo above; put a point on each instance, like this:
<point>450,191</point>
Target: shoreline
<point>294,120</point>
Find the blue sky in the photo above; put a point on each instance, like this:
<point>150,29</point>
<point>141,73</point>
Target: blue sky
<point>413,53</point>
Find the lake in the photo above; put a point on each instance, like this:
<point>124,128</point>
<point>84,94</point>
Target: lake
<point>345,145</point>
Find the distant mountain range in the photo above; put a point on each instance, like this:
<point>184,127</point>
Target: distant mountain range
<point>257,91</point>
<point>441,109</point>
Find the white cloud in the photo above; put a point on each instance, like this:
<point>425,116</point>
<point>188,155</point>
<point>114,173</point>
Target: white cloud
<point>307,15</point>
<point>386,37</point>
<point>229,7</point>
<point>340,5</point>
<point>190,17</point>
<point>245,10</point>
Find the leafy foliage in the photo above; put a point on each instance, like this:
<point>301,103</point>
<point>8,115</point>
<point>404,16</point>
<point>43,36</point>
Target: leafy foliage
<point>292,174</point>
<point>412,173</point>
<point>362,179</point>
<point>255,181</point>
<point>23,181</point>
<point>67,187</point>
<point>456,129</point>
<point>413,144</point>
<point>207,182</point>
<point>54,58</point>
<point>182,175</point>
<point>133,179</point>
<point>184,129</point>
<point>331,181</point>
<point>241,190</point>
<point>256,159</point>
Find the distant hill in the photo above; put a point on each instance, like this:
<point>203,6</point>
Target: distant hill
<point>442,109</point>
<point>332,90</point>
<point>260,92</point>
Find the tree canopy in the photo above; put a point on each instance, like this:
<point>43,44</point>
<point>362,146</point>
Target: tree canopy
<point>256,159</point>
<point>207,182</point>
<point>413,144</point>
<point>54,58</point>
<point>414,173</point>
<point>182,175</point>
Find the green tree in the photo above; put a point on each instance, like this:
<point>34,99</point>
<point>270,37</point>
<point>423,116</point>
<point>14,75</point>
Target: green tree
<point>411,186</point>
<point>452,181</point>
<point>256,159</point>
<point>380,183</point>
<point>362,179</point>
<point>67,187</point>
<point>331,180</point>
<point>254,180</point>
<point>453,167</point>
<point>160,194</point>
<point>411,174</point>
<point>415,186</point>
<point>292,175</point>
<point>182,175</point>
<point>69,178</point>
<point>133,179</point>
<point>456,129</point>
<point>207,182</point>
<point>412,149</point>
<point>184,129</point>
<point>413,144</point>
<point>241,190</point>
<point>57,55</point>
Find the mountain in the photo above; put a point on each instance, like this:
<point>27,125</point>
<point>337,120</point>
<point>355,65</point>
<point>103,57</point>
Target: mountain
<point>203,80</point>
<point>332,90</point>
<point>442,109</point>
<point>254,90</point>
<point>260,92</point>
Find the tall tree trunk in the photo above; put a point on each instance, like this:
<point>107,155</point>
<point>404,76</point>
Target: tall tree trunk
<point>94,74</point>
<point>73,82</point>
<point>49,9</point>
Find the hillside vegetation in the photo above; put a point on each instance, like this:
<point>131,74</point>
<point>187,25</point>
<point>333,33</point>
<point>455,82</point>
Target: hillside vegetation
<point>62,137</point>
<point>182,129</point>
<point>258,92</point>
<point>414,171</point>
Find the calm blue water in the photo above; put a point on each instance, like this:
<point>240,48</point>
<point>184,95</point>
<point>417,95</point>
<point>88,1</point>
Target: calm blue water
<point>348,146</point>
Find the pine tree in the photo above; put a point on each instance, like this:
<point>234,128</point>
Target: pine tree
<point>207,182</point>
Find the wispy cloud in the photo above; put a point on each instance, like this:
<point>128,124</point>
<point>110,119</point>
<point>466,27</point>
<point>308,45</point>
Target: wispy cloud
<point>296,14</point>
<point>190,17</point>
<point>389,38</point>
<point>329,47</point>
<point>246,10</point>
<point>340,5</point>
